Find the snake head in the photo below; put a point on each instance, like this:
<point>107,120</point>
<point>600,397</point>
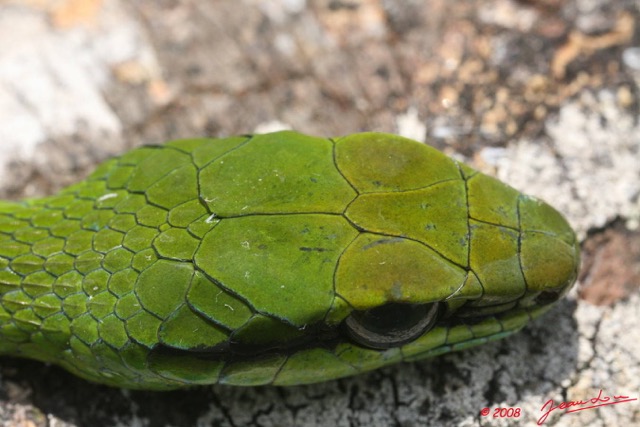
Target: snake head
<point>323,258</point>
<point>275,259</point>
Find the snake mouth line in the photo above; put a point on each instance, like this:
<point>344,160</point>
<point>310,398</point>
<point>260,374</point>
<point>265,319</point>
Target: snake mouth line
<point>321,336</point>
<point>461,333</point>
<point>476,316</point>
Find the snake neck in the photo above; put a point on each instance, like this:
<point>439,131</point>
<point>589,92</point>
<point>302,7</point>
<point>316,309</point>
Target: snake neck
<point>36,275</point>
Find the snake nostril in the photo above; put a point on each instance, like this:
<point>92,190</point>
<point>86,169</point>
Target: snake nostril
<point>548,297</point>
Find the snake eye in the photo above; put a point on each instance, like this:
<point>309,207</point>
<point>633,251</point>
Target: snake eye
<point>391,325</point>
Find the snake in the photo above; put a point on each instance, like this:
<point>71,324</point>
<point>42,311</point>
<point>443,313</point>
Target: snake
<point>277,258</point>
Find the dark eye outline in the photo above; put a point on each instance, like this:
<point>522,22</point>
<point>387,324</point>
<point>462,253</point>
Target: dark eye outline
<point>391,325</point>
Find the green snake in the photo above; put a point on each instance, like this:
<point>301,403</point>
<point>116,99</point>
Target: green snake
<point>273,259</point>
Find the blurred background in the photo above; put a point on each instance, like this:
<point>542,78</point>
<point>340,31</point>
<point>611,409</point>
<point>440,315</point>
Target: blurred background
<point>544,94</point>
